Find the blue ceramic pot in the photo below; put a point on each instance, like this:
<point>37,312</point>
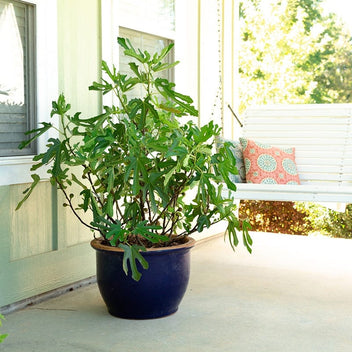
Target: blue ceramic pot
<point>159,291</point>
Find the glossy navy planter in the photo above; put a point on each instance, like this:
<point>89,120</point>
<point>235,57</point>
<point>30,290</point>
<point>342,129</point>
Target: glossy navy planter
<point>159,291</point>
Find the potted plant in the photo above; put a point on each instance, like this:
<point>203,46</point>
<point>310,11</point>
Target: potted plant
<point>149,181</point>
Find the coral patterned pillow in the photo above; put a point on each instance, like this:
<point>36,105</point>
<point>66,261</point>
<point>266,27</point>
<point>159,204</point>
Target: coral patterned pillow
<point>267,164</point>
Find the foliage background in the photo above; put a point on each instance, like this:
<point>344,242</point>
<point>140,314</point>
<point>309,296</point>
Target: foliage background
<point>292,53</point>
<point>340,224</point>
<point>272,216</point>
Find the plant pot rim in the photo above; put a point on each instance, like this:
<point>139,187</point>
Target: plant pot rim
<point>96,243</point>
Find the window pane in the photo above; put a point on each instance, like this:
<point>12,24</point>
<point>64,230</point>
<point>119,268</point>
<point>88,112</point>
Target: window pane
<point>144,41</point>
<point>17,86</point>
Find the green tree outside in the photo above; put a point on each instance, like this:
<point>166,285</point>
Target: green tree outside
<point>291,53</point>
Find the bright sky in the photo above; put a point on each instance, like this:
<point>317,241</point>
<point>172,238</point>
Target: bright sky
<point>343,8</point>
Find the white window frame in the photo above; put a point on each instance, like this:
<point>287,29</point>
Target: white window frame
<point>16,169</point>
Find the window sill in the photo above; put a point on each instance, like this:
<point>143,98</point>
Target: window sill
<point>16,170</point>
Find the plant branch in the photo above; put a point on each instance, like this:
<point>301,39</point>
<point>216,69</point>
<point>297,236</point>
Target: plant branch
<point>119,210</point>
<point>194,229</point>
<point>73,208</point>
<point>173,198</point>
<point>96,193</point>
<point>148,205</point>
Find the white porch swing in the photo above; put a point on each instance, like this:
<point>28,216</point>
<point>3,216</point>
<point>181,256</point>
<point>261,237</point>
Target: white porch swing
<point>321,135</point>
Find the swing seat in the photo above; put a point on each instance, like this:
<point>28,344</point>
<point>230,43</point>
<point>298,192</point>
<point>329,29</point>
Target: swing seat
<point>322,137</point>
<point>304,192</point>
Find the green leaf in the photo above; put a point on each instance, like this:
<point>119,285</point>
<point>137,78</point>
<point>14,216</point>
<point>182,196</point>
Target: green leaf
<point>146,231</point>
<point>168,175</point>
<point>165,88</point>
<point>166,66</point>
<point>135,68</point>
<point>132,255</point>
<point>130,51</point>
<point>122,42</point>
<point>111,178</point>
<point>101,87</point>
<point>158,58</point>
<point>38,131</point>
<point>106,69</point>
<point>170,109</point>
<point>29,190</point>
<point>226,164</point>
<point>136,184</point>
<point>75,179</point>
<point>133,212</point>
<point>232,235</point>
<point>97,213</point>
<point>116,233</point>
<point>128,84</point>
<point>202,221</point>
<point>86,193</point>
<point>36,166</point>
<point>247,239</point>
<point>110,205</point>
<point>60,107</point>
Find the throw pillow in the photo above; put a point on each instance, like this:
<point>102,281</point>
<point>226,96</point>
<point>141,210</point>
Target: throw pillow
<point>268,164</point>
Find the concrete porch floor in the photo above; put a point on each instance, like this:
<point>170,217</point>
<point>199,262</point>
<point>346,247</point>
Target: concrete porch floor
<point>292,294</point>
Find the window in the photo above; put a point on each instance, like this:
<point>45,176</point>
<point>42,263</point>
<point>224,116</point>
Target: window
<point>17,75</point>
<point>149,25</point>
<point>144,41</point>
<point>28,80</point>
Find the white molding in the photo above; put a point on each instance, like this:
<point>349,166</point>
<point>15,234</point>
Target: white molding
<point>186,48</point>
<point>14,170</point>
<point>110,32</point>
<point>47,62</point>
<point>134,15</point>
